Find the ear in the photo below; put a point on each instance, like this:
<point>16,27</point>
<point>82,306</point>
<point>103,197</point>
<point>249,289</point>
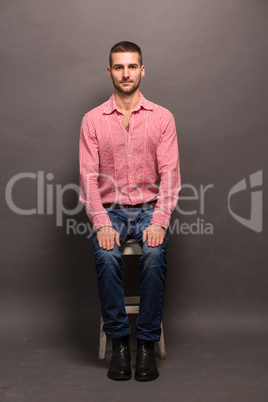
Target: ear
<point>109,72</point>
<point>142,71</point>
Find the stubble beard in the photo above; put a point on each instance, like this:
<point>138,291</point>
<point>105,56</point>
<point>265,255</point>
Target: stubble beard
<point>127,91</point>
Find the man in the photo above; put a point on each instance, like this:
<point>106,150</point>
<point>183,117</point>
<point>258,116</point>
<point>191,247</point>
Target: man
<point>128,145</point>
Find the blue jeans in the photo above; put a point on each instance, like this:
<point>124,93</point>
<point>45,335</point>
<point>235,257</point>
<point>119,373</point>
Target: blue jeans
<point>130,223</point>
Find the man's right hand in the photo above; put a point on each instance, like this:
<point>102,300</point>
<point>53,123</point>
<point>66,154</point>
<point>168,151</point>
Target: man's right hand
<point>106,236</point>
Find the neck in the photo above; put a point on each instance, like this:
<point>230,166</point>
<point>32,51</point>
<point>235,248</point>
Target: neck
<point>126,103</point>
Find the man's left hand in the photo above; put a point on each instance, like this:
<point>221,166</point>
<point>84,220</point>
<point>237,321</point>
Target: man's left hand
<point>154,234</point>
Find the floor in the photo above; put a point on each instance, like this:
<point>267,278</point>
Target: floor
<point>218,369</point>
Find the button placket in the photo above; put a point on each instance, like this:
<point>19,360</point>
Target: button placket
<point>130,156</point>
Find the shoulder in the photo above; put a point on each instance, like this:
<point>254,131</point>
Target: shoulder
<point>164,117</point>
<point>96,111</point>
<point>161,115</point>
<point>158,110</point>
<point>94,117</point>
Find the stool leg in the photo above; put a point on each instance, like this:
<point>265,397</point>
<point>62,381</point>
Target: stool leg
<point>161,344</point>
<point>102,342</point>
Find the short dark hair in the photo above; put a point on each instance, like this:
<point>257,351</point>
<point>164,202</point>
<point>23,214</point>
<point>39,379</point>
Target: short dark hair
<point>125,46</point>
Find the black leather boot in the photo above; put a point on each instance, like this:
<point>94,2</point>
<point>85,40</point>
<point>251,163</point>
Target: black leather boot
<point>120,361</point>
<point>146,369</point>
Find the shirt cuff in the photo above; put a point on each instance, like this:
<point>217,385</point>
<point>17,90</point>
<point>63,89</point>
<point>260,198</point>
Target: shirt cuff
<point>101,220</point>
<point>160,219</point>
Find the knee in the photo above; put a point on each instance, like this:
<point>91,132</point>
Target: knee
<point>108,260</point>
<point>105,256</point>
<point>154,257</point>
<point>153,253</point>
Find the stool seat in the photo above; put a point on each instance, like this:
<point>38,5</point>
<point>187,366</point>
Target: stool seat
<point>130,247</point>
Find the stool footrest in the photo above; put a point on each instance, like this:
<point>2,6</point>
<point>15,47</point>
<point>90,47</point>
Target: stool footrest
<point>132,300</point>
<point>130,309</point>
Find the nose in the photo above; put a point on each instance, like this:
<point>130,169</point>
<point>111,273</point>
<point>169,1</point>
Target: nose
<point>126,73</point>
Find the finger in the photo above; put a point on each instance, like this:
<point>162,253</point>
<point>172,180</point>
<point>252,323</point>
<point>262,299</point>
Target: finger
<point>104,243</point>
<point>153,240</point>
<point>149,239</point>
<point>144,236</point>
<point>117,239</point>
<point>111,242</point>
<point>100,241</point>
<point>107,243</point>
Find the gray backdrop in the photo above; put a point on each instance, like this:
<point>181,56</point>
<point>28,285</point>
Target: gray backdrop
<point>206,62</point>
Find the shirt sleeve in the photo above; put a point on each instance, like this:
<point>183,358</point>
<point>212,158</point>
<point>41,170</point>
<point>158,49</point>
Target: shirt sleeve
<point>169,170</point>
<point>89,173</point>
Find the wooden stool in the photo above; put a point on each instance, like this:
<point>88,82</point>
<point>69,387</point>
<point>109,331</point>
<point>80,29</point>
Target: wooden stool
<point>130,247</point>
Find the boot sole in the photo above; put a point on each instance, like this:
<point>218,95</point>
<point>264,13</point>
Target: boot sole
<point>122,377</point>
<point>147,378</point>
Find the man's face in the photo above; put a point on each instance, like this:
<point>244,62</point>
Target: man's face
<point>126,72</point>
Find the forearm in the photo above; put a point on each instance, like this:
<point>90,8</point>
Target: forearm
<point>169,169</point>
<point>95,212</point>
<point>89,172</point>
<point>167,197</point>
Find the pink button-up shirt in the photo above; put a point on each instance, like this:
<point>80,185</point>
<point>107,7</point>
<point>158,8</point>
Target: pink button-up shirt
<point>129,167</point>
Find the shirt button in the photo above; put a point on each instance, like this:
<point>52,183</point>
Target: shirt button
<point>130,195</point>
<point>129,156</point>
<point>130,176</point>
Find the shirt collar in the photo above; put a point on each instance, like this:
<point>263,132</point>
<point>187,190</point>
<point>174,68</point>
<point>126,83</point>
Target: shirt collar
<point>110,105</point>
